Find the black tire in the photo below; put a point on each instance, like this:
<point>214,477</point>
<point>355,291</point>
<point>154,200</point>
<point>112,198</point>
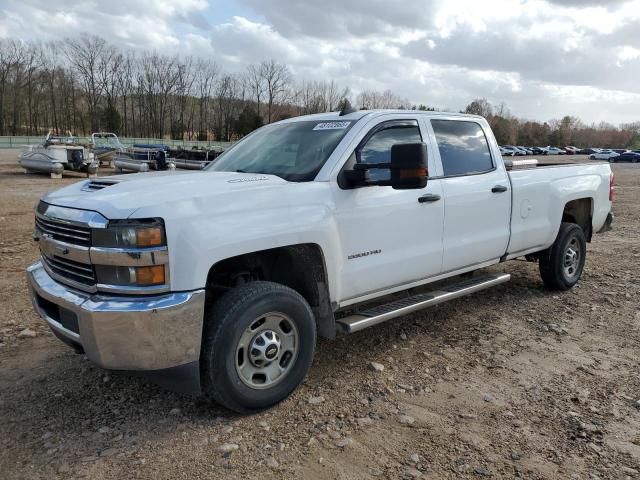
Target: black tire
<point>226,322</point>
<point>554,271</point>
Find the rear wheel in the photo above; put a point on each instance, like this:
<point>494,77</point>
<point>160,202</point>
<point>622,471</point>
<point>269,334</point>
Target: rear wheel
<point>561,264</point>
<point>257,347</point>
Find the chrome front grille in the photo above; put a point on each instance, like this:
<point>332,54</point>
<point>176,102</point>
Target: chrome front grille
<point>65,242</point>
<point>75,271</point>
<point>63,231</point>
<point>65,239</point>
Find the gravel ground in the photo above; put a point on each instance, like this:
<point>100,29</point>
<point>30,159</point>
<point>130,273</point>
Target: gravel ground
<point>515,382</point>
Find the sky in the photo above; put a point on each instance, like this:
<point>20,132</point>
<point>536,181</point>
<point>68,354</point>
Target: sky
<point>542,58</point>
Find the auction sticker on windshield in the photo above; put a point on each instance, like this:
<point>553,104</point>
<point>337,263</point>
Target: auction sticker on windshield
<point>332,126</point>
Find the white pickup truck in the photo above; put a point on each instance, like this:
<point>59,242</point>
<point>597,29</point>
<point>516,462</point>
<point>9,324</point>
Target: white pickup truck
<point>219,281</point>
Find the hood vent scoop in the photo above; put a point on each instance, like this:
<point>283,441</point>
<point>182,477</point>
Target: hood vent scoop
<point>94,185</point>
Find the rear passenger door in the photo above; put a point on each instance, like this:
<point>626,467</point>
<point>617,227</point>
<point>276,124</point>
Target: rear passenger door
<point>477,196</point>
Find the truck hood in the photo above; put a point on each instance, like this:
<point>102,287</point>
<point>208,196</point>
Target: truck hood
<point>119,196</point>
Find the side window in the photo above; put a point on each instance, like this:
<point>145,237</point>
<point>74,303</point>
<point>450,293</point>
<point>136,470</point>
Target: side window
<point>378,147</point>
<point>463,147</point>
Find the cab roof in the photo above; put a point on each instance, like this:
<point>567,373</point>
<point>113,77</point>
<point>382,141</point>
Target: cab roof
<point>359,114</point>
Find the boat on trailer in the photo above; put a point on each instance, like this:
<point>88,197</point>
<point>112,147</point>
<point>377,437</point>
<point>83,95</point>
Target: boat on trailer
<point>57,154</point>
<point>105,146</point>
<point>142,158</point>
<point>193,158</point>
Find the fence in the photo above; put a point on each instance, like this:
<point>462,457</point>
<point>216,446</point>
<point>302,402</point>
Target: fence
<point>18,142</point>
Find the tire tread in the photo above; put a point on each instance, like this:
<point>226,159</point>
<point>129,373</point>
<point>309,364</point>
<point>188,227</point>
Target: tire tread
<point>551,259</point>
<point>217,317</point>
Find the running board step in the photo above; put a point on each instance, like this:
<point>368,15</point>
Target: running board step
<point>381,313</point>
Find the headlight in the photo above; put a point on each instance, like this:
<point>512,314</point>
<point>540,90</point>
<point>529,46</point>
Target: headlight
<point>130,253</point>
<point>131,276</point>
<point>138,234</point>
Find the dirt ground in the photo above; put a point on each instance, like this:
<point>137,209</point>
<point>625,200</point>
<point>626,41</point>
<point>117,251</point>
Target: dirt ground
<point>514,382</point>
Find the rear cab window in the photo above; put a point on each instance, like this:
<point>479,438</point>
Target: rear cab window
<point>463,147</point>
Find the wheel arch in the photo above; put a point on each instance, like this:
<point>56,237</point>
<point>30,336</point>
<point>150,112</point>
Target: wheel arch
<point>580,212</point>
<point>301,267</point>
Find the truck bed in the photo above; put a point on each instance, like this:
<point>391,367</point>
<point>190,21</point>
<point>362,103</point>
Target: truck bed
<point>540,192</point>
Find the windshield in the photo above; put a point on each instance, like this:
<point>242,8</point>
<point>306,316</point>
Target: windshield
<point>294,151</point>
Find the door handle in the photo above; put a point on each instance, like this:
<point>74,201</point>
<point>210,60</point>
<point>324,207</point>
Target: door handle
<point>429,197</point>
<point>499,189</point>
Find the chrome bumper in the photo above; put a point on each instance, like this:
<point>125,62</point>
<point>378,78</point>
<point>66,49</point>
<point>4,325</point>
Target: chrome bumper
<point>122,333</point>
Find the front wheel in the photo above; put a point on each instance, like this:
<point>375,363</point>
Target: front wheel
<point>561,264</point>
<point>257,347</point>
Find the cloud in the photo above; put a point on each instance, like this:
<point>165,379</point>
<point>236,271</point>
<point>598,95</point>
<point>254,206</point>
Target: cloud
<point>544,58</point>
<point>336,19</point>
<point>589,3</point>
<point>137,24</point>
<point>529,53</point>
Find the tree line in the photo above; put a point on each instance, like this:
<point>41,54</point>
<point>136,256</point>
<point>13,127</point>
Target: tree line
<point>85,84</point>
<point>568,130</point>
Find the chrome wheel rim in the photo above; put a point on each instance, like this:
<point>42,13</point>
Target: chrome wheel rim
<point>267,350</point>
<point>572,257</point>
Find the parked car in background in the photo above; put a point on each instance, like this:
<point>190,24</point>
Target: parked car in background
<point>513,149</point>
<point>523,150</point>
<point>537,150</point>
<point>604,154</point>
<point>554,151</point>
<point>505,152</point>
<point>520,151</point>
<point>571,150</point>
<point>588,151</point>
<point>627,156</point>
<point>619,150</point>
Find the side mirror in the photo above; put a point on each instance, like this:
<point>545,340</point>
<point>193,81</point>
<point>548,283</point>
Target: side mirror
<point>408,169</point>
<point>408,166</point>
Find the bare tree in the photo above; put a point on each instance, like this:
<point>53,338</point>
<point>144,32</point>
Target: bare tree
<point>125,86</point>
<point>85,83</point>
<point>206,74</point>
<point>372,99</point>
<point>480,106</point>
<point>159,79</point>
<point>6,63</point>
<point>317,97</point>
<point>87,56</point>
<point>276,79</point>
<point>227,106</point>
<point>256,83</point>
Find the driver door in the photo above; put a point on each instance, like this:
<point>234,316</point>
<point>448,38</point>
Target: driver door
<point>388,237</point>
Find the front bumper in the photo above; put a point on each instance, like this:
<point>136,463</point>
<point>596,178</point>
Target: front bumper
<point>148,333</point>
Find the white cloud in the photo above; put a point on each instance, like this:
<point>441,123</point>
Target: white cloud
<point>628,53</point>
<point>149,24</point>
<point>544,58</point>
